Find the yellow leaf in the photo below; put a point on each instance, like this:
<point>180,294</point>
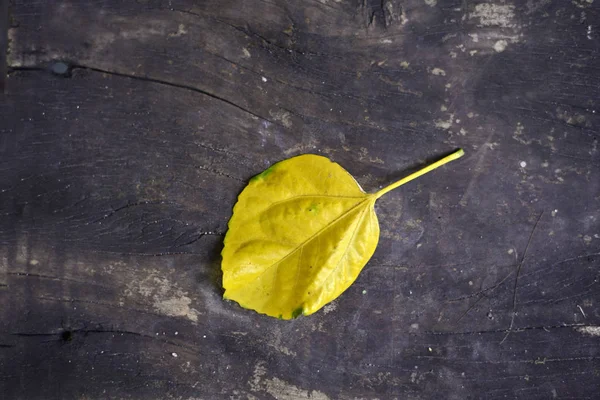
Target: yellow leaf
<point>300,234</point>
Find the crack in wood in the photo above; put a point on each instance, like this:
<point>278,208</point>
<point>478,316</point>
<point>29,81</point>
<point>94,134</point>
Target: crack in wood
<point>159,254</point>
<point>220,173</point>
<point>129,205</point>
<point>537,361</point>
<point>85,332</point>
<point>175,85</point>
<point>546,328</point>
<point>200,236</point>
<point>76,66</point>
<point>50,277</point>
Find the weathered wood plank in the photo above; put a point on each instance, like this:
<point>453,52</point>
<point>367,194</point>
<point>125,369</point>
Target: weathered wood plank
<point>128,130</point>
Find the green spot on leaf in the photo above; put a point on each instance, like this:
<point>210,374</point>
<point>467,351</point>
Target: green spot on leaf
<point>313,208</point>
<point>297,312</point>
<point>263,174</point>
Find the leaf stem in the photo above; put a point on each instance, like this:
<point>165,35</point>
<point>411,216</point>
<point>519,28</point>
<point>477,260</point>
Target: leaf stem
<point>457,154</point>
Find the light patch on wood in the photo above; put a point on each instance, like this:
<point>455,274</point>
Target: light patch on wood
<point>22,254</point>
<point>521,137</point>
<point>4,268</point>
<point>282,116</point>
<point>438,71</point>
<point>11,58</point>
<point>403,17</point>
<point>303,147</point>
<point>431,3</point>
<point>180,31</point>
<point>499,15</point>
<point>536,5</point>
<point>141,33</point>
<point>571,119</point>
<point>589,330</point>
<point>582,3</point>
<point>330,307</point>
<point>387,234</point>
<point>286,351</point>
<point>500,46</point>
<point>167,298</point>
<point>445,124</point>
<point>400,86</point>
<point>364,156</point>
<point>285,391</point>
<point>259,372</point>
<point>176,307</point>
<point>279,388</point>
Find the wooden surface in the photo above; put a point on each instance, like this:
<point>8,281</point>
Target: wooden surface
<point>128,129</point>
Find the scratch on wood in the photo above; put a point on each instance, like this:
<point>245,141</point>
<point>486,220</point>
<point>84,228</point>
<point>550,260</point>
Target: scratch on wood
<point>482,291</point>
<point>519,267</point>
<point>481,296</point>
<point>480,158</point>
<point>575,258</point>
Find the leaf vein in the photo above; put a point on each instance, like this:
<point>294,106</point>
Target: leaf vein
<point>311,238</point>
<point>347,247</point>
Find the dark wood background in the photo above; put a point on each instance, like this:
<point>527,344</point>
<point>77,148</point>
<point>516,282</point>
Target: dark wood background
<point>128,128</point>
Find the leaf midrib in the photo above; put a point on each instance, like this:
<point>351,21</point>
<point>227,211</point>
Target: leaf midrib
<point>301,245</point>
